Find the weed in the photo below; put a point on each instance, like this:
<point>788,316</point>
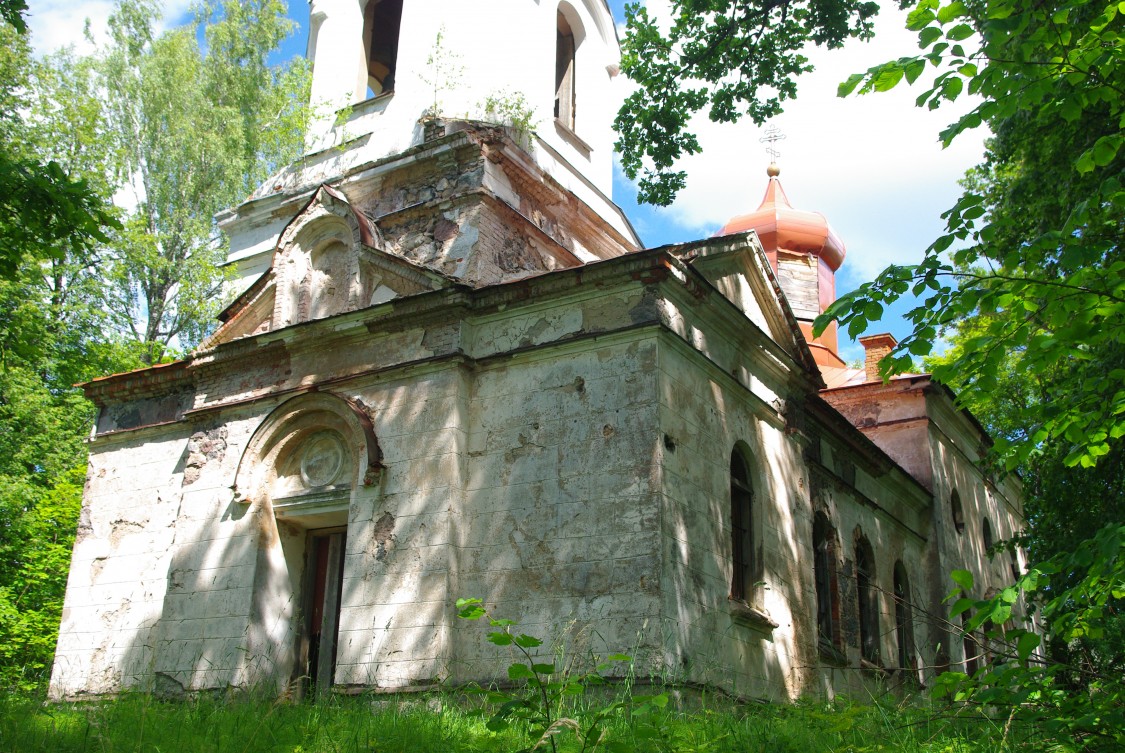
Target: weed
<point>545,691</point>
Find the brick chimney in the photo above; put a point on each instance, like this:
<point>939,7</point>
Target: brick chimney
<point>875,347</point>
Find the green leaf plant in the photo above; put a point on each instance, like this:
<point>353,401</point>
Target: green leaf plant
<point>542,697</point>
<point>1032,255</point>
<point>1075,703</point>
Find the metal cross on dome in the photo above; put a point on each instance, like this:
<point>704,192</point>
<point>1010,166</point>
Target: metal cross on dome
<point>773,135</point>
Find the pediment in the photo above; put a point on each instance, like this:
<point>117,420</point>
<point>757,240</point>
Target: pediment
<point>330,259</point>
<point>737,266</point>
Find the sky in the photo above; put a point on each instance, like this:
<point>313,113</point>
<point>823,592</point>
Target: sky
<point>871,164</point>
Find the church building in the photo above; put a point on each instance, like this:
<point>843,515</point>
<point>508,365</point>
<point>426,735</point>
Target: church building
<point>452,370</point>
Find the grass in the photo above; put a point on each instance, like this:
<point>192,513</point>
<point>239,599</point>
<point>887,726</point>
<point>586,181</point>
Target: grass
<point>445,723</point>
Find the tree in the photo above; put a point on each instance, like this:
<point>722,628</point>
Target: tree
<point>197,129</point>
<point>43,209</point>
<point>1034,299</point>
<point>194,131</point>
<point>1041,269</point>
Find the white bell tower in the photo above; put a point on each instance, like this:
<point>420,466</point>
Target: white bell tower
<point>392,62</point>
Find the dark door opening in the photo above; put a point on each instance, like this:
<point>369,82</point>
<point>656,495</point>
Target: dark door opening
<point>325,577</point>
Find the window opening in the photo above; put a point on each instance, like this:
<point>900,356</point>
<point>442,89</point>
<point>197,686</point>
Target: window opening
<point>383,20</point>
<point>827,594</point>
<point>741,500</point>
<point>958,514</point>
<point>970,648</point>
<point>904,618</point>
<point>986,534</point>
<point>868,609</point>
<point>564,72</point>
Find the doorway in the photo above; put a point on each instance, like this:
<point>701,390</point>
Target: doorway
<point>323,584</point>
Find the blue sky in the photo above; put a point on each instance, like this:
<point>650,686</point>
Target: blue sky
<point>872,165</point>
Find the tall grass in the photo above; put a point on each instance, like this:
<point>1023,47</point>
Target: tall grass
<point>446,723</point>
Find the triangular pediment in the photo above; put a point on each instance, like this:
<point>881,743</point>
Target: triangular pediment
<point>737,266</point>
<point>329,260</point>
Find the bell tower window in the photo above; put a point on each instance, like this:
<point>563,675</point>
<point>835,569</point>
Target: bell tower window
<point>382,20</point>
<point>565,48</point>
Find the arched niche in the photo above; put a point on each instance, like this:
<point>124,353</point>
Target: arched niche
<point>324,263</point>
<point>301,471</point>
<point>307,457</point>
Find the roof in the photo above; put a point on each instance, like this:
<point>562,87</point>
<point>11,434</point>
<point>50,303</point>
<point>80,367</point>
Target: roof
<point>780,226</point>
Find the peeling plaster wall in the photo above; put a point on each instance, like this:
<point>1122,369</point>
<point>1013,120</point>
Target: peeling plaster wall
<point>559,447</point>
<point>704,413</point>
<point>119,570</point>
<point>559,525</point>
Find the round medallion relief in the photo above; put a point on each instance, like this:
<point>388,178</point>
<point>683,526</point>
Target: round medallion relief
<point>322,459</point>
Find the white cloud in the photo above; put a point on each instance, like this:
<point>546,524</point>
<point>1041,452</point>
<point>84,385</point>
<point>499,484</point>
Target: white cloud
<point>871,164</point>
<point>62,23</point>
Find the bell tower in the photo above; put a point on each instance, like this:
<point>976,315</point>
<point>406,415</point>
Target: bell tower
<point>397,85</point>
<point>381,66</point>
<point>805,254</point>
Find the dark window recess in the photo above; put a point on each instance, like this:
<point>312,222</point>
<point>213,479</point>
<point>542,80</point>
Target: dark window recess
<point>958,514</point>
<point>564,73</point>
<point>742,543</point>
<point>323,584</point>
<point>970,647</point>
<point>827,589</point>
<point>868,601</point>
<point>904,618</point>
<point>986,534</point>
<point>383,19</point>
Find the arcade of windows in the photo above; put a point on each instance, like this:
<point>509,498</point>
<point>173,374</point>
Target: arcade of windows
<point>746,572</point>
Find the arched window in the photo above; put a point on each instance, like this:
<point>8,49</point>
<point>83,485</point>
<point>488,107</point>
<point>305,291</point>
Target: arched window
<point>742,540</point>
<point>986,534</point>
<point>958,513</point>
<point>827,593</point>
<point>565,61</point>
<point>382,20</point>
<point>868,601</point>
<point>904,618</point>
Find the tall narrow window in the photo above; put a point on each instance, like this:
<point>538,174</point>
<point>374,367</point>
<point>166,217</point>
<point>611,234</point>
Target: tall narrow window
<point>868,601</point>
<point>827,600</point>
<point>958,513</point>
<point>970,647</point>
<point>382,21</point>
<point>564,72</point>
<point>904,618</point>
<point>986,534</point>
<point>742,542</point>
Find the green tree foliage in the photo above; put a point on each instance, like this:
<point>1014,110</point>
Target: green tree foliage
<point>1076,704</point>
<point>730,57</point>
<point>44,210</point>
<point>1028,278</point>
<point>1041,265</point>
<point>197,127</point>
<point>193,131</point>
